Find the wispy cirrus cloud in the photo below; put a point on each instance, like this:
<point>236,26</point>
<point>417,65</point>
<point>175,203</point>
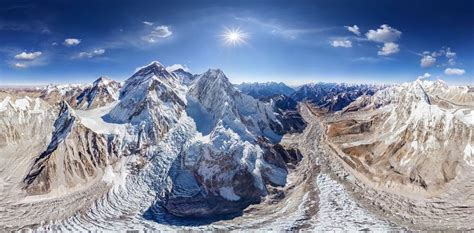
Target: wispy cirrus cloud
<point>275,28</point>
<point>157,34</point>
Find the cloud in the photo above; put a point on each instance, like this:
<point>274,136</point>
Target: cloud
<point>28,56</point>
<point>451,62</point>
<point>71,42</point>
<point>25,60</point>
<point>389,48</point>
<point>429,58</point>
<point>354,29</point>
<point>450,54</point>
<point>280,30</point>
<point>427,61</point>
<point>424,76</point>
<point>341,43</point>
<point>94,53</point>
<point>177,67</point>
<point>158,33</point>
<point>384,34</point>
<point>148,23</point>
<point>20,65</point>
<point>454,71</point>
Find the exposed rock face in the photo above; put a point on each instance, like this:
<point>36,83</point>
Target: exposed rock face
<point>286,110</point>
<point>407,136</point>
<point>333,96</point>
<point>102,92</point>
<point>265,90</point>
<point>74,156</point>
<point>55,94</point>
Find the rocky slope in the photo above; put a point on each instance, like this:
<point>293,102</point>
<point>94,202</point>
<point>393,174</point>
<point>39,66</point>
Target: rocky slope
<point>102,92</point>
<point>413,140</point>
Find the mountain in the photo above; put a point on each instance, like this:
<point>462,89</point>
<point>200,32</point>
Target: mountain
<point>83,96</point>
<point>417,136</point>
<point>152,98</point>
<point>185,77</point>
<point>261,90</point>
<point>232,158</point>
<point>333,96</point>
<point>286,110</point>
<point>54,94</point>
<point>102,92</point>
<point>172,148</point>
<point>74,156</point>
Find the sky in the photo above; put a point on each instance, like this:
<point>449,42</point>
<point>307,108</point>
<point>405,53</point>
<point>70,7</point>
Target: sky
<point>296,42</point>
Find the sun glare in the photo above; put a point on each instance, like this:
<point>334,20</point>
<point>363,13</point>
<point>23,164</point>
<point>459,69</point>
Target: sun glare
<point>234,36</point>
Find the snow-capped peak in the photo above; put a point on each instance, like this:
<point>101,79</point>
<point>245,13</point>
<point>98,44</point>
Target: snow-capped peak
<point>102,81</point>
<point>155,68</point>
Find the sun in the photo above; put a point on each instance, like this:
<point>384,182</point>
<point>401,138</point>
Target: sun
<point>234,36</point>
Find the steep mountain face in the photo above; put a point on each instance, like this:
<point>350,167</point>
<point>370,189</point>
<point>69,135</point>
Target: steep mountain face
<point>74,156</point>
<point>102,92</point>
<point>333,96</point>
<point>184,77</point>
<point>416,136</point>
<point>152,98</point>
<point>230,161</point>
<point>286,110</point>
<point>263,90</point>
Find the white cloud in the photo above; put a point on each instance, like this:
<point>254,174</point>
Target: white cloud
<point>427,61</point>
<point>451,62</point>
<point>424,76</point>
<point>341,43</point>
<point>177,67</point>
<point>454,71</point>
<point>389,48</point>
<point>354,29</point>
<point>450,54</point>
<point>158,33</point>
<point>28,56</point>
<point>95,53</point>
<point>384,34</point>
<point>148,23</point>
<point>20,65</point>
<point>71,42</point>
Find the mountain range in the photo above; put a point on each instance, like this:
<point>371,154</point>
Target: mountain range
<point>170,147</point>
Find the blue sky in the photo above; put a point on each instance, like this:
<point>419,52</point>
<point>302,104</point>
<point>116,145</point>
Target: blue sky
<point>45,42</point>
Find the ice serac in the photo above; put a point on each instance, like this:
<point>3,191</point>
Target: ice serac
<point>233,160</point>
<point>74,156</point>
<point>152,98</point>
<point>102,92</point>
